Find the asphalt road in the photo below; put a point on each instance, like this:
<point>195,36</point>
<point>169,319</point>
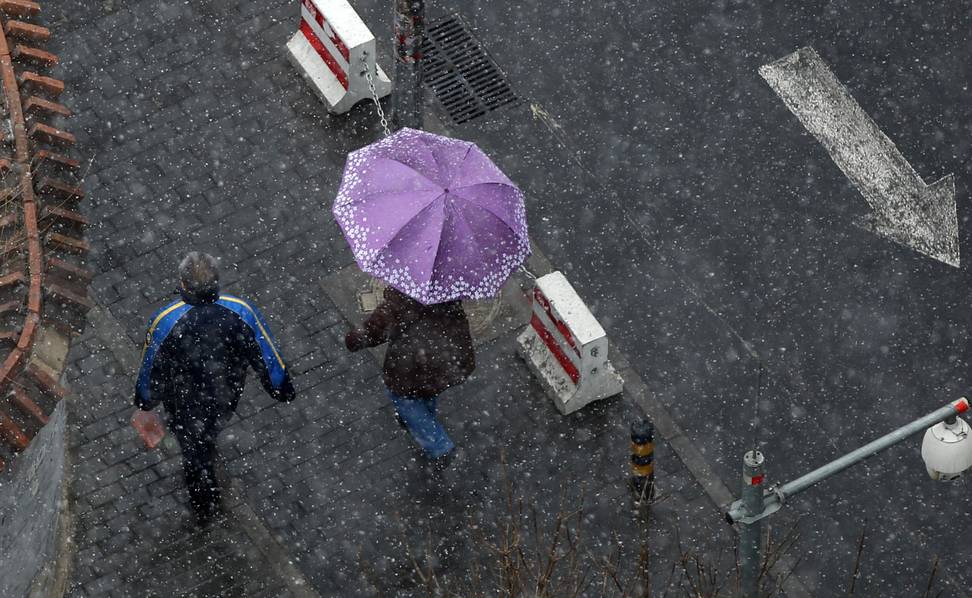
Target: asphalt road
<point>697,217</point>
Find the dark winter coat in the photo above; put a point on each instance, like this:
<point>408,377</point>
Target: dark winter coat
<point>430,348</point>
<point>196,355</point>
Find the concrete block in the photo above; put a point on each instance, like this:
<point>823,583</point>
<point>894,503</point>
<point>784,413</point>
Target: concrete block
<point>566,348</point>
<point>334,49</point>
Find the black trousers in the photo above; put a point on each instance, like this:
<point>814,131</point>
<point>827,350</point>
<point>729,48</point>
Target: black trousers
<point>197,439</point>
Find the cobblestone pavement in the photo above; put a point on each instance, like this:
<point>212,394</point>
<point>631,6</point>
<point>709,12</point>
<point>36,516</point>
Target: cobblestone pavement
<point>205,138</point>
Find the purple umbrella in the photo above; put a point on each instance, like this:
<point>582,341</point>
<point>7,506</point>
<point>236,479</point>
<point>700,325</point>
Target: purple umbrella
<point>432,217</point>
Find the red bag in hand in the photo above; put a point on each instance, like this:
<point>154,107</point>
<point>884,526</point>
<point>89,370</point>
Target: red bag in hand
<point>149,426</point>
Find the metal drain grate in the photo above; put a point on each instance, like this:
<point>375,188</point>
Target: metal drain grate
<point>461,74</point>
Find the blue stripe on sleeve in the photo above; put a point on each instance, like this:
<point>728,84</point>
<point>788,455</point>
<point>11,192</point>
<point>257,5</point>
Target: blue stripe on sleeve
<point>268,348</point>
<point>160,328</point>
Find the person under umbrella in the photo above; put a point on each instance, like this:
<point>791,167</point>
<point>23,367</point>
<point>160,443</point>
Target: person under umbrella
<point>436,220</point>
<point>429,350</point>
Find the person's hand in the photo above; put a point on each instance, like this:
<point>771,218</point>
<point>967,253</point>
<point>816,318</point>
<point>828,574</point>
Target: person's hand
<point>353,340</point>
<point>286,393</point>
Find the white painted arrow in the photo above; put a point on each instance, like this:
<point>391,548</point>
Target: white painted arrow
<point>905,210</point>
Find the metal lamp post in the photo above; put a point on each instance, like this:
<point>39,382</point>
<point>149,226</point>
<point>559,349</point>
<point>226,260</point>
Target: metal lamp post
<point>757,503</point>
<point>409,33</point>
<point>751,534</point>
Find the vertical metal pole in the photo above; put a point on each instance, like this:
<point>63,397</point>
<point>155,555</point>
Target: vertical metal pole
<point>751,534</point>
<point>409,33</point>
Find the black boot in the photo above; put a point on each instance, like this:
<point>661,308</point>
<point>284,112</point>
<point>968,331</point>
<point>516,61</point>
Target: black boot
<point>207,515</point>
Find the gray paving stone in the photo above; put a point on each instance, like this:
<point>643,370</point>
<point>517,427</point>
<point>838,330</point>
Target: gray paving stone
<point>92,535</point>
<point>102,585</point>
<point>105,495</point>
<point>144,460</point>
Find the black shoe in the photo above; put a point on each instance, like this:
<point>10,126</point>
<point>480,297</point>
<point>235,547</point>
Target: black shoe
<point>203,520</point>
<point>207,520</point>
<point>207,516</point>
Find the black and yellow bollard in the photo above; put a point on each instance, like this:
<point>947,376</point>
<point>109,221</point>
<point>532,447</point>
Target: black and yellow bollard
<point>643,460</point>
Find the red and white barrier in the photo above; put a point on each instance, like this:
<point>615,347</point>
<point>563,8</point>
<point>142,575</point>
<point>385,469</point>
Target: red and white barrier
<point>566,347</point>
<point>335,50</point>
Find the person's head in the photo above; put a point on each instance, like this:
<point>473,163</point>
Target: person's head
<point>199,276</point>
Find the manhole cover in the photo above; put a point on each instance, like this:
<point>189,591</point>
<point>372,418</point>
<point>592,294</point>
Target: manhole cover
<point>464,78</point>
<point>480,313</point>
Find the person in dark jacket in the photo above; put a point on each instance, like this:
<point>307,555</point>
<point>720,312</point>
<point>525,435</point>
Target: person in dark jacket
<point>429,350</point>
<point>197,351</point>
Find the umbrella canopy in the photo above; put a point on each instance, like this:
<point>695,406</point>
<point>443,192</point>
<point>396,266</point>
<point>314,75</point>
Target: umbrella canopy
<point>432,217</point>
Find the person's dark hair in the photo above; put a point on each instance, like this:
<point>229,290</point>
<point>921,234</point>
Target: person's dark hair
<point>199,274</point>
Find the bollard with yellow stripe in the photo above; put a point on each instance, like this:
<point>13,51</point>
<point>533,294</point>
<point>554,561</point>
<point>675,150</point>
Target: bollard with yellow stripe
<point>643,460</point>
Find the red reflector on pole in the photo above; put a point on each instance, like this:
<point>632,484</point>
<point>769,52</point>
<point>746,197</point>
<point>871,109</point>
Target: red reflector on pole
<point>961,405</point>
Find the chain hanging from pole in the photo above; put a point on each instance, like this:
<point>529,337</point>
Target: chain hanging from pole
<point>374,97</point>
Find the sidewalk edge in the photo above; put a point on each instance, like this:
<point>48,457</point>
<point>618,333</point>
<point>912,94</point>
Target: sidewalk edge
<point>636,391</point>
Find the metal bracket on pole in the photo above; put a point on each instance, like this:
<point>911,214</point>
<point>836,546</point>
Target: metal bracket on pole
<point>775,497</point>
<point>773,501</point>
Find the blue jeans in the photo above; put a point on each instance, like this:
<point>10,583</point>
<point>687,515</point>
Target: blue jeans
<point>419,418</point>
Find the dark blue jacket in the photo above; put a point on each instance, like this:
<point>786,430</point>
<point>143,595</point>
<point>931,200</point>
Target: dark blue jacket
<point>196,354</point>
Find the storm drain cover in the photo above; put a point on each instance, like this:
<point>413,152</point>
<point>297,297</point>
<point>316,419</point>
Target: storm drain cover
<point>464,78</point>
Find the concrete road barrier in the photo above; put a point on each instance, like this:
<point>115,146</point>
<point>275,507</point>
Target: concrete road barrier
<point>566,348</point>
<point>335,52</point>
